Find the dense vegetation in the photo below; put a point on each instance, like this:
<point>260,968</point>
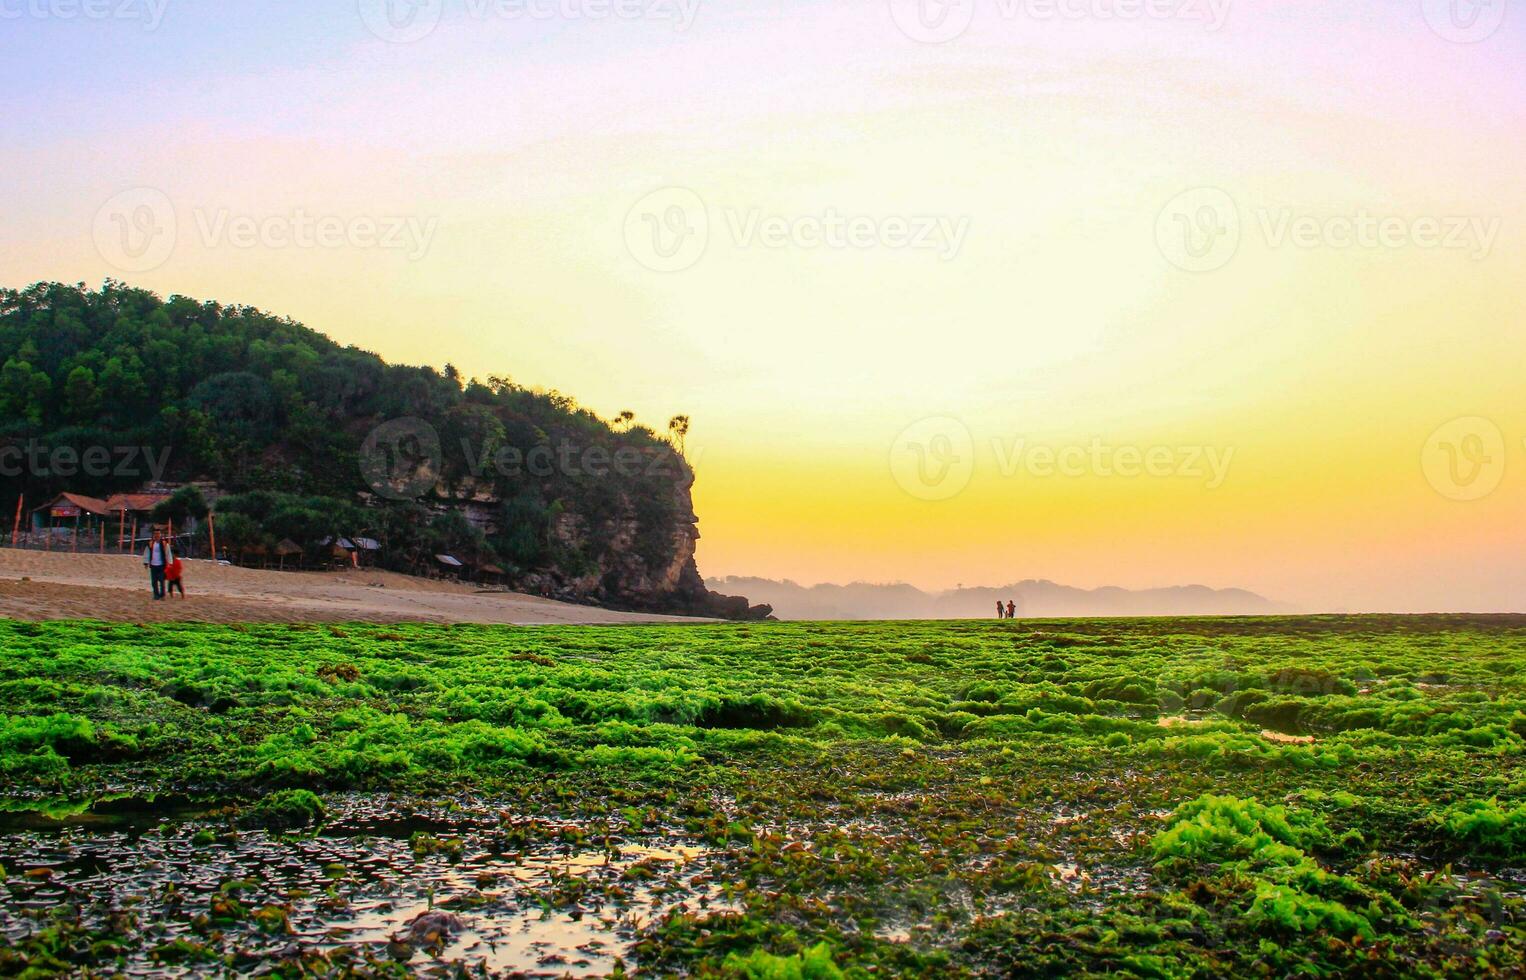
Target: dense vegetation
<point>1132,798</point>
<point>261,404</point>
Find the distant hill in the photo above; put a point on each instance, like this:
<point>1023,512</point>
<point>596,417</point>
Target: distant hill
<point>1035,598</point>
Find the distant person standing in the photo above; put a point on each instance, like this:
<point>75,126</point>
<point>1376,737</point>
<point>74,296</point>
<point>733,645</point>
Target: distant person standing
<point>1000,613</point>
<point>157,556</point>
<point>1011,609</point>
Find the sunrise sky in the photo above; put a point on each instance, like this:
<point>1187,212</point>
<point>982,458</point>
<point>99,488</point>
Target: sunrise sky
<point>848,236</point>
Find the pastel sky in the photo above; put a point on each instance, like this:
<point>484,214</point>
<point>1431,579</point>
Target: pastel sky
<point>889,256</point>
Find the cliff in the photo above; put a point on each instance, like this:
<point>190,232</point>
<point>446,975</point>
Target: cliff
<point>307,440</point>
<point>622,577</point>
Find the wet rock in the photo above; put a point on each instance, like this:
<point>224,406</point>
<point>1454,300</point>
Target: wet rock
<point>432,928</point>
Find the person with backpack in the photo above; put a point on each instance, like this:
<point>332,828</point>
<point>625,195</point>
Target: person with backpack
<point>156,558</point>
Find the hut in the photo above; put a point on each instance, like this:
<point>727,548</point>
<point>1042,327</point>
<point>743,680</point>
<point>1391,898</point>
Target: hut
<point>70,519</point>
<point>449,565</point>
<point>366,551</point>
<point>487,573</point>
<point>136,505</point>
<point>338,552</point>
<point>69,510</point>
<point>285,549</point>
<point>135,510</point>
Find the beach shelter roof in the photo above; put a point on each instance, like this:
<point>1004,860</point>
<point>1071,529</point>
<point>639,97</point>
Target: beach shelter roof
<point>135,502</point>
<point>448,560</point>
<point>73,504</point>
<point>288,547</point>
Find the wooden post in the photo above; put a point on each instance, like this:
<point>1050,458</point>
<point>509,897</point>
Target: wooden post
<point>212,536</point>
<point>16,531</point>
<point>133,543</point>
<point>122,531</point>
<point>103,537</point>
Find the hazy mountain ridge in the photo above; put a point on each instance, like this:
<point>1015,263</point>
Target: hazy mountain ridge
<point>1034,598</point>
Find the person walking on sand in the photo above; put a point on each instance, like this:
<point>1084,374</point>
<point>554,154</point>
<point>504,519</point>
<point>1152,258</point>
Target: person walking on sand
<point>173,573</point>
<point>1011,609</point>
<point>999,613</point>
<point>157,557</point>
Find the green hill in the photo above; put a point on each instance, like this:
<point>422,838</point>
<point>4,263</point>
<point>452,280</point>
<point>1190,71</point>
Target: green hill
<point>304,438</point>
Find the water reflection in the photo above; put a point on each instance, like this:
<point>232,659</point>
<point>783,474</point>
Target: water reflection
<point>490,889</point>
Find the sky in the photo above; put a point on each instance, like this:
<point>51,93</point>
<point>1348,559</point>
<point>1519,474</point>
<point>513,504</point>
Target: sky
<point>1111,292</point>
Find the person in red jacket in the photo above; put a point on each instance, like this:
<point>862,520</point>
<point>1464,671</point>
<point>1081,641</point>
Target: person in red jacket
<point>172,576</point>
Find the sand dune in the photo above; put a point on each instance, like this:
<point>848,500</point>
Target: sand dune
<point>115,587</point>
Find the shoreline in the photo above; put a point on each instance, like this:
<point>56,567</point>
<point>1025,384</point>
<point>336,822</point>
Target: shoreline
<point>38,585</point>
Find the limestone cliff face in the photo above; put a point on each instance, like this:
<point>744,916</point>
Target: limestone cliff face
<point>621,575</point>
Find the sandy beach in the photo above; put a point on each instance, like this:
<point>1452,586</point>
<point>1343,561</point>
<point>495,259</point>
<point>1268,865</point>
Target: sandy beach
<point>39,585</point>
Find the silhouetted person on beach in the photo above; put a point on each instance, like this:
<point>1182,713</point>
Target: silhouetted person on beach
<point>1011,609</point>
<point>999,613</point>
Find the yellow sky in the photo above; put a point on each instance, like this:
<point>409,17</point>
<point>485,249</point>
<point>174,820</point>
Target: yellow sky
<point>1053,304</point>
